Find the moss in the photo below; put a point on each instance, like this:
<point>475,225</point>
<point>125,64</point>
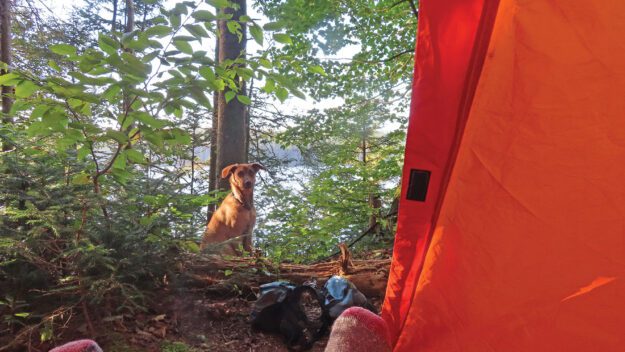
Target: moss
<point>176,346</point>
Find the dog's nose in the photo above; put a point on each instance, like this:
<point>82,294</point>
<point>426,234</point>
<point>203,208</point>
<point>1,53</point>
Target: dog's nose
<point>248,184</point>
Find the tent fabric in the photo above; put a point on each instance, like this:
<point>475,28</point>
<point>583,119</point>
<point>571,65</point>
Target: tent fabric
<point>446,40</point>
<point>518,112</point>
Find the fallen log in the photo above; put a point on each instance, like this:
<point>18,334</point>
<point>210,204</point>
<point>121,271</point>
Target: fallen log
<point>227,275</point>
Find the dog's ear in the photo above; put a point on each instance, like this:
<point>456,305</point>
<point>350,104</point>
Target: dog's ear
<point>257,166</point>
<point>228,170</point>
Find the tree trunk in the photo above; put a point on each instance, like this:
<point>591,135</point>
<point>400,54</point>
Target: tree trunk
<point>213,173</point>
<point>114,20</point>
<point>231,133</point>
<point>130,16</point>
<point>248,115</point>
<point>5,57</point>
<point>373,199</point>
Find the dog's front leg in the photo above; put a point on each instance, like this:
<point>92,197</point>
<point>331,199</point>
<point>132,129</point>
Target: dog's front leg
<point>247,242</point>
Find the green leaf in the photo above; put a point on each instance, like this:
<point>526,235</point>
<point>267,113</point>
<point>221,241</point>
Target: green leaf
<point>181,8</point>
<point>282,94</point>
<point>81,179</point>
<point>229,95</point>
<point>175,20</point>
<point>82,152</point>
<point>154,138</point>
<point>270,85</point>
<point>108,44</point>
<point>317,69</point>
<point>183,46</point>
<point>140,44</point>
<point>134,66</point>
<point>111,92</point>
<point>198,95</point>
<point>63,49</point>
<point>196,30</point>
<point>203,15</point>
<point>46,334</point>
<point>265,63</point>
<point>54,65</point>
<point>282,38</point>
<point>148,119</point>
<point>219,3</point>
<point>273,26</point>
<point>118,136</point>
<point>39,110</point>
<point>207,73</point>
<point>121,175</point>
<point>159,31</point>
<point>9,79</point>
<point>135,156</point>
<point>257,34</point>
<point>244,99</point>
<point>120,161</point>
<point>234,27</point>
<point>22,315</point>
<point>25,89</point>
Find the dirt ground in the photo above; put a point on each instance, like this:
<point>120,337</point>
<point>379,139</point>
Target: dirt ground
<point>186,320</point>
<point>193,322</point>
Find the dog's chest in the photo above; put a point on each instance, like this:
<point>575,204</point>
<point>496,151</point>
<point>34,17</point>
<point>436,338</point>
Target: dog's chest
<point>240,218</point>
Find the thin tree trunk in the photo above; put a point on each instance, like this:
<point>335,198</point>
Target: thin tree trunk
<point>231,132</point>
<point>130,26</point>
<point>373,199</point>
<point>5,57</point>
<point>114,20</point>
<point>130,16</point>
<point>248,112</point>
<point>213,173</point>
<point>193,145</point>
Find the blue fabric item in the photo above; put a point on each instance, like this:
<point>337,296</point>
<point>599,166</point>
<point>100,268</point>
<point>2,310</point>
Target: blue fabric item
<point>341,294</point>
<point>337,287</point>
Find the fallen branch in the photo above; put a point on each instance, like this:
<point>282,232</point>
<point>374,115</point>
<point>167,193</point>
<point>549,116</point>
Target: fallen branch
<point>236,275</point>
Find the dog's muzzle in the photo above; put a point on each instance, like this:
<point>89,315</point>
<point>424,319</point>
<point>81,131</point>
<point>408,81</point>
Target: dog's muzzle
<point>248,184</point>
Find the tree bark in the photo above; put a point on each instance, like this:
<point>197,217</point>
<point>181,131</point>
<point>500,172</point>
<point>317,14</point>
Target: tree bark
<point>231,131</point>
<point>130,16</point>
<point>5,57</point>
<point>114,20</point>
<point>213,173</point>
<point>220,275</point>
<point>248,112</point>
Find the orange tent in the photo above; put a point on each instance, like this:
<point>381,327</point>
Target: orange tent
<point>511,232</point>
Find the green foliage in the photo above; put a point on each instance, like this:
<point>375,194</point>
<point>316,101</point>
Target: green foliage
<point>382,33</point>
<point>101,186</point>
<point>169,346</point>
<point>98,196</point>
<point>348,159</point>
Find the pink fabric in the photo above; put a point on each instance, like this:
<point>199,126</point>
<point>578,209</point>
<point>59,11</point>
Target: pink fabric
<point>369,320</point>
<point>358,329</point>
<point>78,346</point>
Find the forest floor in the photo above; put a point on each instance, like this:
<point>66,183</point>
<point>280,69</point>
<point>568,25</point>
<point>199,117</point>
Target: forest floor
<point>190,320</point>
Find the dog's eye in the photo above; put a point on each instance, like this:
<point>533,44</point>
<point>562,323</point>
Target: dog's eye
<point>241,173</point>
<point>251,172</point>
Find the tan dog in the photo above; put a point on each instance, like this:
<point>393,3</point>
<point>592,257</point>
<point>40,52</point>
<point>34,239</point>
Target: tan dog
<point>232,223</point>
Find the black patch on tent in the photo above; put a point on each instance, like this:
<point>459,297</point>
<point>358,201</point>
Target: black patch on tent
<point>418,185</point>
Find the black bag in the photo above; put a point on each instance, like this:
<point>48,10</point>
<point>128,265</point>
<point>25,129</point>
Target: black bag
<point>339,294</point>
<point>295,312</point>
